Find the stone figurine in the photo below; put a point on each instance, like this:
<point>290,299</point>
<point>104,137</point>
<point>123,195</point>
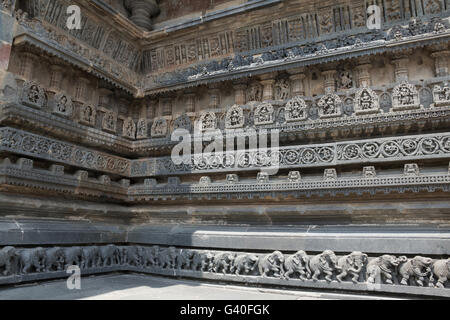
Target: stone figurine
<point>32,260</point>
<point>110,255</point>
<point>441,269</point>
<point>222,262</point>
<point>73,256</point>
<point>54,259</point>
<point>90,257</point>
<point>323,264</point>
<point>184,259</point>
<point>351,265</point>
<point>202,261</point>
<point>271,264</point>
<point>131,256</point>
<point>167,258</point>
<point>298,263</point>
<point>416,269</point>
<point>383,267</point>
<point>7,256</point>
<point>244,263</point>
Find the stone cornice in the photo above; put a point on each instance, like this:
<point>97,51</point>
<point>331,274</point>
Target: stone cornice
<point>404,148</point>
<point>78,185</point>
<point>15,113</point>
<point>166,29</point>
<point>385,150</point>
<point>32,145</point>
<point>329,55</point>
<point>64,128</point>
<point>285,189</point>
<point>85,63</point>
<point>113,18</point>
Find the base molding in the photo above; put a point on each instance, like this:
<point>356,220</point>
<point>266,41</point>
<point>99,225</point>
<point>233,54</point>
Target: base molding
<point>355,271</point>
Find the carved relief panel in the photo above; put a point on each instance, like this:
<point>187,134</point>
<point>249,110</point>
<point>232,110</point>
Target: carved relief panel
<point>109,122</point>
<point>254,92</point>
<point>441,95</point>
<point>366,101</point>
<point>405,97</point>
<point>129,128</point>
<point>296,110</point>
<point>234,118</point>
<point>282,89</point>
<point>87,114</point>
<point>33,95</point>
<point>264,114</point>
<point>142,129</point>
<point>159,128</point>
<point>207,121</point>
<point>63,105</point>
<point>330,106</point>
<point>183,122</point>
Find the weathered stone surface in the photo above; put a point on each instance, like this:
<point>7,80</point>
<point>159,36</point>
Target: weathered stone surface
<point>357,121</point>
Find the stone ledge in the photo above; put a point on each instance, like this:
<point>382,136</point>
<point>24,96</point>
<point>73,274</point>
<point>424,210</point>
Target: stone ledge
<point>213,265</point>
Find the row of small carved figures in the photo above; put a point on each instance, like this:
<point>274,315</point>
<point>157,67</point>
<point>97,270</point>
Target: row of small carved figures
<point>388,269</point>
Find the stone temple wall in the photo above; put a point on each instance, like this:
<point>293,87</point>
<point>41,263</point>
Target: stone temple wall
<point>358,121</point>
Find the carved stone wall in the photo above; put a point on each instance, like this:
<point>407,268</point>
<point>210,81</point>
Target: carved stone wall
<point>327,270</point>
<point>362,118</point>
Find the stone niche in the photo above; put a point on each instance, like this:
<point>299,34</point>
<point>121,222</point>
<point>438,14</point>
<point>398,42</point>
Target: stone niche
<point>405,97</point>
<point>441,95</point>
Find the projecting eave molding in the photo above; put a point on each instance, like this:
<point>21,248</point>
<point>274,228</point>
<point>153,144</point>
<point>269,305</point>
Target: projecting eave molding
<point>163,29</point>
<point>328,55</point>
<point>123,24</point>
<point>113,18</point>
<point>70,57</point>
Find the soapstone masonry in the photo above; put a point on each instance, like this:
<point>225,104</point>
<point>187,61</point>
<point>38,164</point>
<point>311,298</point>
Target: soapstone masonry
<point>360,197</point>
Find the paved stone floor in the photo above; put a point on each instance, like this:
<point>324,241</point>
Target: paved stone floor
<point>143,287</point>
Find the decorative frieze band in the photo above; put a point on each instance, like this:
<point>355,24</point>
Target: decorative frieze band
<point>329,185</point>
<point>306,54</point>
<point>24,174</point>
<point>320,155</point>
<point>28,144</point>
<point>353,271</point>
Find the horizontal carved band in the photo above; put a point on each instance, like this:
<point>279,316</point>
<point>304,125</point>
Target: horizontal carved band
<point>312,127</point>
<point>24,143</point>
<point>341,153</point>
<point>300,268</point>
<point>80,184</point>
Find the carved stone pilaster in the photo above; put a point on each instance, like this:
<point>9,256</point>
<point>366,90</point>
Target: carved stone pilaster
<point>142,12</point>
<point>297,79</point>
<point>401,68</point>
<point>81,89</point>
<point>363,71</point>
<point>239,93</point>
<point>441,62</point>
<point>190,102</point>
<point>56,77</point>
<point>26,65</point>
<point>151,108</point>
<point>267,89</point>
<point>329,83</point>
<point>104,98</point>
<point>166,105</point>
<point>214,97</point>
